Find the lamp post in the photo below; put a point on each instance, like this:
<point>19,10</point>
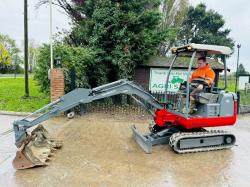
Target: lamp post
<point>51,42</point>
<point>237,76</point>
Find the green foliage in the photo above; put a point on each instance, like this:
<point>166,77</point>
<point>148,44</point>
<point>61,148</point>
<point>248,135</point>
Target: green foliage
<point>5,58</point>
<point>244,97</point>
<point>9,44</point>
<point>11,96</point>
<point>10,59</point>
<point>205,27</point>
<point>174,13</point>
<point>242,70</point>
<point>123,34</point>
<point>73,59</point>
<point>13,68</point>
<point>33,50</point>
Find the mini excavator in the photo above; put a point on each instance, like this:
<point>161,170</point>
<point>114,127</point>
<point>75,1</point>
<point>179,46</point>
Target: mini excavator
<point>184,132</point>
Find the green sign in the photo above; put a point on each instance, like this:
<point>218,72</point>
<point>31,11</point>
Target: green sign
<point>158,79</point>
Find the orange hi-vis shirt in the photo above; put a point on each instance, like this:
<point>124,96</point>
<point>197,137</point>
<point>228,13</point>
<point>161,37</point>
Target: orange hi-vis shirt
<point>207,73</point>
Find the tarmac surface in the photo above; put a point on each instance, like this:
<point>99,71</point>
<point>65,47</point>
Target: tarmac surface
<point>98,150</point>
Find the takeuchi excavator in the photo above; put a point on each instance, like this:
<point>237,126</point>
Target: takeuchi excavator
<point>184,132</point>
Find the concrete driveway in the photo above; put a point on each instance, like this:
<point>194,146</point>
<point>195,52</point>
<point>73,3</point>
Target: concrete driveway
<point>99,150</point>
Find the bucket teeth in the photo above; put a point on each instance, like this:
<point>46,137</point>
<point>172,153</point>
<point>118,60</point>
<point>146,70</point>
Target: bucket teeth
<point>37,150</point>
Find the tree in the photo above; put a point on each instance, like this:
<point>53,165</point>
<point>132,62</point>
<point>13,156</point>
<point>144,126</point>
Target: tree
<point>242,70</point>
<point>123,33</point>
<point>76,58</point>
<point>174,12</point>
<point>32,54</point>
<point>9,55</point>
<point>33,50</point>
<point>5,58</point>
<point>9,44</point>
<point>69,6</point>
<point>205,27</point>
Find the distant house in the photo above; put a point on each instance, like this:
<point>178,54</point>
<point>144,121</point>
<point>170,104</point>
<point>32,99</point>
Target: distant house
<point>243,80</point>
<point>152,75</point>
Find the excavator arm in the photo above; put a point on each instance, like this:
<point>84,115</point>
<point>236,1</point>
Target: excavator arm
<point>83,96</point>
<point>34,148</point>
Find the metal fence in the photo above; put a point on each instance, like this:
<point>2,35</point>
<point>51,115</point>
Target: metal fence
<point>112,106</point>
<point>169,99</point>
<point>244,101</point>
<point>125,104</point>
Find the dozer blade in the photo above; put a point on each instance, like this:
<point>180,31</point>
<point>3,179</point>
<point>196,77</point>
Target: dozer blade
<point>142,140</point>
<point>36,149</point>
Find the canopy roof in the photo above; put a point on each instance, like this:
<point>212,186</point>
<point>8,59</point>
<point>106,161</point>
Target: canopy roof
<point>202,48</point>
<point>181,63</point>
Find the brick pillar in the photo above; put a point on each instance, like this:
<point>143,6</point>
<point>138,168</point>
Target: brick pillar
<point>56,84</point>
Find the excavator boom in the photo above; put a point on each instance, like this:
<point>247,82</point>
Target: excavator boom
<point>34,149</point>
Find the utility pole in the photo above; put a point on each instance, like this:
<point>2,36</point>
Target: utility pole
<point>26,48</point>
<point>237,76</point>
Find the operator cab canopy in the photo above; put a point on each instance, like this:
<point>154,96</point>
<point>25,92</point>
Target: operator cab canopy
<point>201,49</point>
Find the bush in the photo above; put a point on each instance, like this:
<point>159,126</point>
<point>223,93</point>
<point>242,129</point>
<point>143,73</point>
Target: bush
<point>75,59</point>
<point>123,33</point>
<point>11,69</point>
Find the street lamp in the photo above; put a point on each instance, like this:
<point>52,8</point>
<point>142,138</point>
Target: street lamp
<point>237,76</point>
<point>51,45</point>
<point>58,62</point>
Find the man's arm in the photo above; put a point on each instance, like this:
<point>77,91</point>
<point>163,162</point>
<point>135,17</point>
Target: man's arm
<point>210,75</point>
<point>192,77</point>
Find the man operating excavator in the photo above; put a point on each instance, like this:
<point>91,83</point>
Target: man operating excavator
<point>183,133</point>
<point>202,77</point>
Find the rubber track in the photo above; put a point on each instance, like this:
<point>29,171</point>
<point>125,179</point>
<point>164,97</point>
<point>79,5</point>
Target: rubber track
<point>180,135</point>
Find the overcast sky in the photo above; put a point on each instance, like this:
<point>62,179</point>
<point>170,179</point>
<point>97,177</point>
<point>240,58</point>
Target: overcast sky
<point>11,20</point>
<point>235,13</point>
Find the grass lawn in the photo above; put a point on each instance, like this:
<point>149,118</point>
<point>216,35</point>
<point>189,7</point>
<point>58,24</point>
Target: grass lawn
<point>12,92</point>
<point>15,75</point>
<point>244,98</point>
<point>230,85</point>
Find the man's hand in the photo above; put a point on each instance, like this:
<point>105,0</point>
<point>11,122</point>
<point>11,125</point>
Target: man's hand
<point>200,87</point>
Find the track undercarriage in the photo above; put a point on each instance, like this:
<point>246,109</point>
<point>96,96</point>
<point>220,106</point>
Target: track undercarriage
<point>185,141</point>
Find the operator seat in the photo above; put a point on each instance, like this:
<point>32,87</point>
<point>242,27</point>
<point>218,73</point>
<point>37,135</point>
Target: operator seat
<point>208,95</point>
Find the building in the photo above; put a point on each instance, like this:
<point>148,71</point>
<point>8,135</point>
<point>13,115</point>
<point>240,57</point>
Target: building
<point>152,75</point>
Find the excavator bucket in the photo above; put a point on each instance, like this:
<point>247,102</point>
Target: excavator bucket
<point>36,149</point>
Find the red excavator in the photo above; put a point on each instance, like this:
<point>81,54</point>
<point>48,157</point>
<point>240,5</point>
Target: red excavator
<point>172,125</point>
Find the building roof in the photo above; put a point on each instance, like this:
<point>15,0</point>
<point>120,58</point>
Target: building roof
<point>181,62</point>
<point>209,49</point>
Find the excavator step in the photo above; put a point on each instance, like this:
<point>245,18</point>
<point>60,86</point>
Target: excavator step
<point>191,142</point>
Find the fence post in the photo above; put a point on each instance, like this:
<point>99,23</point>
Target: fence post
<point>83,109</point>
<point>238,102</point>
<point>72,75</point>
